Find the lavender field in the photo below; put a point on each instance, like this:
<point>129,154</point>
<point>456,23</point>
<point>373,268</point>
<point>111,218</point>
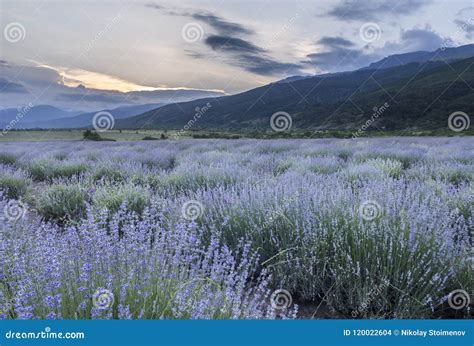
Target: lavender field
<point>247,229</point>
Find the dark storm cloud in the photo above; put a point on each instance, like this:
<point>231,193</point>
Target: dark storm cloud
<point>231,44</point>
<point>234,49</point>
<point>335,41</point>
<point>366,10</point>
<point>222,26</point>
<point>248,56</point>
<point>266,66</point>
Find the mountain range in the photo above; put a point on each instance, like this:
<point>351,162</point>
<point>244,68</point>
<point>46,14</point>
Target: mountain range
<point>49,117</point>
<point>420,88</point>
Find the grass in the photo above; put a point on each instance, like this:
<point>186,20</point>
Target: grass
<point>148,134</point>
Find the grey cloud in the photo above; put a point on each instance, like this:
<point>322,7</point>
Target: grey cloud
<point>248,56</point>
<point>267,66</point>
<point>194,54</point>
<point>465,21</point>
<point>231,44</point>
<point>332,41</point>
<point>237,51</point>
<point>340,55</point>
<point>222,26</point>
<point>339,59</point>
<point>366,10</point>
<point>415,40</point>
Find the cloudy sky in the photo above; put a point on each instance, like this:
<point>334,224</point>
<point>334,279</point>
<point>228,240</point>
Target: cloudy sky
<point>94,52</point>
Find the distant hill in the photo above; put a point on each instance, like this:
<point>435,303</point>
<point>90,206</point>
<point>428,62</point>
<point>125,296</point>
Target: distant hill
<point>34,115</point>
<point>441,54</point>
<point>421,95</point>
<point>422,101</point>
<point>85,120</point>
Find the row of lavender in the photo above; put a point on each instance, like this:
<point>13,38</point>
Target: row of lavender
<point>378,228</point>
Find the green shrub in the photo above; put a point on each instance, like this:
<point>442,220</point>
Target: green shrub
<point>91,136</point>
<point>13,187</point>
<point>63,202</point>
<point>111,197</point>
<point>47,170</point>
<point>67,170</point>
<point>7,159</point>
<point>108,173</point>
<point>391,167</point>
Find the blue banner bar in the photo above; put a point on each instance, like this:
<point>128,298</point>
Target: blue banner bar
<point>245,333</point>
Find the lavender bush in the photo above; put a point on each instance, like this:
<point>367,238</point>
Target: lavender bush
<point>108,234</point>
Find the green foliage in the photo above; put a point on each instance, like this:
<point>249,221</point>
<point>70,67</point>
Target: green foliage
<point>63,202</point>
<point>7,159</point>
<point>14,187</point>
<point>112,196</point>
<point>49,169</point>
<point>91,136</point>
<point>108,173</point>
